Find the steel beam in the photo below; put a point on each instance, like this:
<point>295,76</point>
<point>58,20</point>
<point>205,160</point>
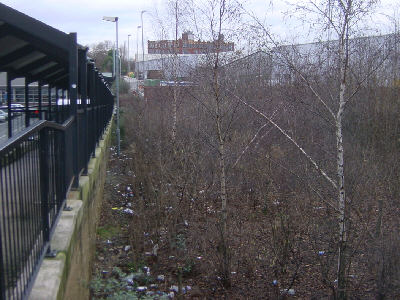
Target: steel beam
<point>15,55</point>
<point>49,72</point>
<point>29,68</point>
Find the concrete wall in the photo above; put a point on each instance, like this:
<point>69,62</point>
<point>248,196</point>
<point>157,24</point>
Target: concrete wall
<point>67,276</point>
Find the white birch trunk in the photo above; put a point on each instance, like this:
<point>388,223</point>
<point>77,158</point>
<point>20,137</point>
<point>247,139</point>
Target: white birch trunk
<point>221,149</point>
<point>341,274</point>
<point>223,195</point>
<point>174,88</point>
<point>341,199</point>
<point>221,158</point>
<point>222,171</point>
<point>221,153</point>
<point>174,113</point>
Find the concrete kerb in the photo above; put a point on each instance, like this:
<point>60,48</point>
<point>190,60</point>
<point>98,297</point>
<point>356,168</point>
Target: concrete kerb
<point>51,280</point>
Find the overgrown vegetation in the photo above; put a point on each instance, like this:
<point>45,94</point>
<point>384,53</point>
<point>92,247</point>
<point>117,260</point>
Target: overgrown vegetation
<point>239,178</point>
<point>281,217</point>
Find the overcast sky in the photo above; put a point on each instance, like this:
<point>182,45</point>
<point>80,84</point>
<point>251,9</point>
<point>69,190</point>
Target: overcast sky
<point>85,16</point>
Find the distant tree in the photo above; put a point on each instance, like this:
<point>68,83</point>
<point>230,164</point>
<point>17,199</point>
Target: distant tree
<point>102,54</point>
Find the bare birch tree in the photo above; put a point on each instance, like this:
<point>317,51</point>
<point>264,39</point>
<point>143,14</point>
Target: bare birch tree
<point>176,8</point>
<point>342,18</point>
<point>211,19</point>
<point>216,23</point>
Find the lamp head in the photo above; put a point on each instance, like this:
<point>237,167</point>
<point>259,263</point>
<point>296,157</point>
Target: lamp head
<point>110,19</point>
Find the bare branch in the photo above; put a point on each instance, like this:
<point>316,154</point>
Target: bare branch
<point>251,141</point>
<point>366,77</point>
<point>307,183</point>
<point>291,65</point>
<point>313,162</point>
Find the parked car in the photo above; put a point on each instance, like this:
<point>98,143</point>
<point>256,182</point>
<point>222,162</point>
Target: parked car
<point>3,116</point>
<point>16,109</point>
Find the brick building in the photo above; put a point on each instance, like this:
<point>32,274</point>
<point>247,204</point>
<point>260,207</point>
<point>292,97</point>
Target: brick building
<point>187,45</point>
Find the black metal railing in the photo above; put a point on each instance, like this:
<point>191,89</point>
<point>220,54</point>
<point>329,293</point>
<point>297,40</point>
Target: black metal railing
<point>53,126</point>
<point>36,171</point>
<point>32,189</point>
<point>38,165</point>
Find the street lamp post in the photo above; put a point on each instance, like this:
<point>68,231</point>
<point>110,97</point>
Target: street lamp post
<point>137,53</point>
<point>117,71</point>
<point>113,70</point>
<point>129,65</point>
<point>141,18</point>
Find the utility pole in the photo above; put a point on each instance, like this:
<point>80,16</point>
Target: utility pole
<point>117,74</point>
<point>137,59</point>
<point>129,64</point>
<point>141,17</point>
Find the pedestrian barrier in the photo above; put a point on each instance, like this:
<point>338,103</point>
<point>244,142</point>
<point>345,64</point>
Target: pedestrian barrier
<point>42,161</point>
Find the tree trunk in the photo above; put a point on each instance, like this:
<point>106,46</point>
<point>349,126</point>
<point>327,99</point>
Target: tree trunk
<point>221,157</point>
<point>224,212</point>
<point>174,88</point>
<point>341,276</point>
<point>174,114</point>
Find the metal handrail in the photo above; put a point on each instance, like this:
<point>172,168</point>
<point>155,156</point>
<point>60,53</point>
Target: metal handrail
<point>36,127</point>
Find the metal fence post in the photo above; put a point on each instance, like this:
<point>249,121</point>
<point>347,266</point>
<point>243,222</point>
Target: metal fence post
<point>57,108</point>
<point>92,104</point>
<point>62,106</point>
<point>44,183</point>
<point>40,95</point>
<point>83,86</point>
<point>73,96</point>
<point>2,283</point>
<point>27,121</point>
<point>59,149</point>
<point>90,75</point>
<point>96,105</point>
<point>49,105</point>
<point>9,105</point>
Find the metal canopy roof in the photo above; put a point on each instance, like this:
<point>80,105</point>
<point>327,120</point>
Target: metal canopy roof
<point>32,49</point>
